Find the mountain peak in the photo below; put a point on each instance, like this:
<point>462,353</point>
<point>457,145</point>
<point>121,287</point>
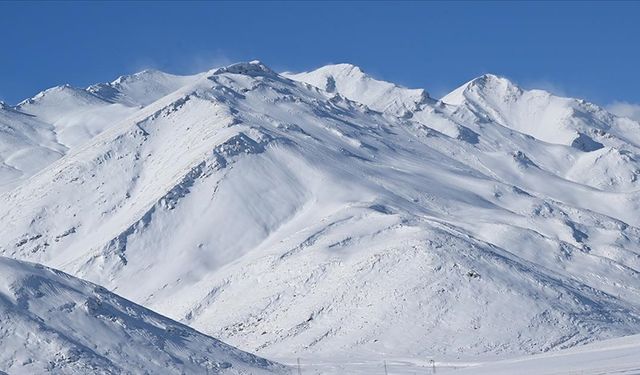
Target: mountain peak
<point>344,69</point>
<point>252,68</point>
<point>485,85</point>
<point>353,83</point>
<point>489,79</point>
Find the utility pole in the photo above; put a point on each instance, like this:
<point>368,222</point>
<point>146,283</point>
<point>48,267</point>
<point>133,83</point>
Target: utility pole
<point>385,368</point>
<point>433,366</point>
<point>299,369</point>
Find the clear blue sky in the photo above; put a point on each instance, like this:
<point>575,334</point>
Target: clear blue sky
<point>589,50</point>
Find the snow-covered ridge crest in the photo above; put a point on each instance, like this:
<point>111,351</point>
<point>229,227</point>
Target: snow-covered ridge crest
<point>142,88</point>
<point>65,89</point>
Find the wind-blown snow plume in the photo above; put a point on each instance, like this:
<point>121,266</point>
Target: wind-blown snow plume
<point>625,109</point>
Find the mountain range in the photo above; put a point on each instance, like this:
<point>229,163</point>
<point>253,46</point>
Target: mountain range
<point>323,213</point>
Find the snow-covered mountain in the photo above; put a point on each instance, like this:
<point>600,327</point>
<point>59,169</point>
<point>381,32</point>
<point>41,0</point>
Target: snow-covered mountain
<point>51,322</point>
<point>329,213</point>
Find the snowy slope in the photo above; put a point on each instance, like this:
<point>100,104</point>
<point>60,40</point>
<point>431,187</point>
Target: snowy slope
<point>286,219</point>
<point>26,146</point>
<point>51,322</point>
<point>75,114</point>
<point>41,129</point>
<point>615,356</point>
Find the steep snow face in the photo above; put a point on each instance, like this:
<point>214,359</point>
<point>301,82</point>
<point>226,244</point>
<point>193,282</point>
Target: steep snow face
<point>286,219</point>
<point>54,323</point>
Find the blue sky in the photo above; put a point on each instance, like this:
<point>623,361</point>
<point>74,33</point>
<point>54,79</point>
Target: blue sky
<point>589,50</point>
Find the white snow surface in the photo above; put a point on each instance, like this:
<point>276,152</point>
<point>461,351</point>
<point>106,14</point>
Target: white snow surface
<point>329,214</point>
<point>614,356</point>
<point>51,322</point>
<point>42,129</point>
<point>350,81</point>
